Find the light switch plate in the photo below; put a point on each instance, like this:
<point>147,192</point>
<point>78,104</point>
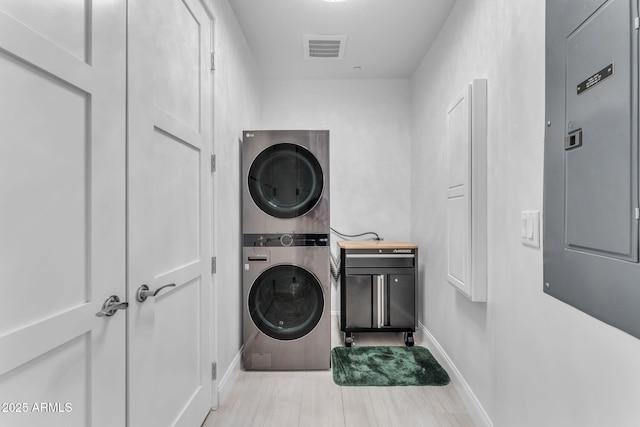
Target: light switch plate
<point>530,225</point>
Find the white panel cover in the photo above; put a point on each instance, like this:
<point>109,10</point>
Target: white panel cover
<point>467,192</point>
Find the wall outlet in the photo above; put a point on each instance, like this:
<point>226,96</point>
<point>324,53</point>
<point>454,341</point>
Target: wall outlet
<point>530,224</point>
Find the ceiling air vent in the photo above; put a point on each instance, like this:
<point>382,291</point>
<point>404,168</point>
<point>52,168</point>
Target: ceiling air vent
<point>324,47</point>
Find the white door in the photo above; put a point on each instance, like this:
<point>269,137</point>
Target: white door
<point>62,212</point>
<point>168,212</point>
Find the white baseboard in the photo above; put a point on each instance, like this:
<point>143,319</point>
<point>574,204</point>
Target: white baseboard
<point>224,385</point>
<point>475,408</point>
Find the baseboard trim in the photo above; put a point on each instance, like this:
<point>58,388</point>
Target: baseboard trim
<point>475,408</point>
<point>224,385</point>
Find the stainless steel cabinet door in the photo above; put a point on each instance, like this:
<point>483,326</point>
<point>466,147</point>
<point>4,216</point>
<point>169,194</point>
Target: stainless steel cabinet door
<point>359,301</point>
<point>401,298</point>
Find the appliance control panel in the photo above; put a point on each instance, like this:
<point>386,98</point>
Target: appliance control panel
<point>285,240</point>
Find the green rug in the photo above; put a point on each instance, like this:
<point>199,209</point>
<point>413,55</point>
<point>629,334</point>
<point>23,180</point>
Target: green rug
<point>386,366</point>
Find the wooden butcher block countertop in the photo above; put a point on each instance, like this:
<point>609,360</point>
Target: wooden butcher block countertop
<point>375,244</point>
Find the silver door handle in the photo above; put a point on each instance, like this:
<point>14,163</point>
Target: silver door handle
<point>111,305</point>
<point>143,292</point>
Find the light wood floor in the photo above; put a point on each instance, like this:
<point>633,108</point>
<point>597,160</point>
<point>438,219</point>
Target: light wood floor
<point>311,398</point>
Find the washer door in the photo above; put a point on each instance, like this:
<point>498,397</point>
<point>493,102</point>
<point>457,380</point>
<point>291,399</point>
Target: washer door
<point>285,180</point>
<point>286,302</point>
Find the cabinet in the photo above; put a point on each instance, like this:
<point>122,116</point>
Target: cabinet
<point>378,285</point>
<point>467,192</point>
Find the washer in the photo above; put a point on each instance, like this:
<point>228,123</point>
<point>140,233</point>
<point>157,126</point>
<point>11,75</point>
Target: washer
<point>286,181</point>
<point>286,288</point>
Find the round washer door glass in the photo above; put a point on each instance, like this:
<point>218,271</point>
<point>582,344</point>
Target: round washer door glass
<point>285,180</point>
<point>286,302</point>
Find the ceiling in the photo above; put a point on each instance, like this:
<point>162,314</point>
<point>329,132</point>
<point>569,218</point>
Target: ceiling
<point>386,38</point>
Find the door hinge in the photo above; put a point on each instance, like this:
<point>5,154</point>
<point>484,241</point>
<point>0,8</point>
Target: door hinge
<point>214,371</point>
<point>213,163</point>
<point>637,213</point>
<point>213,61</point>
<point>636,22</point>
<point>213,265</point>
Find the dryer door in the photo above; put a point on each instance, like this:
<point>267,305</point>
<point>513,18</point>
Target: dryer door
<point>286,302</point>
<point>285,180</point>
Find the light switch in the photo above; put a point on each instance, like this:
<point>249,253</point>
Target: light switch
<point>530,228</point>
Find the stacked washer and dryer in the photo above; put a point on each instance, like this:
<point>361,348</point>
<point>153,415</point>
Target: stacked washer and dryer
<point>286,284</point>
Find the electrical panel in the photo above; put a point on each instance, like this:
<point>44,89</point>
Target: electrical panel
<point>591,159</point>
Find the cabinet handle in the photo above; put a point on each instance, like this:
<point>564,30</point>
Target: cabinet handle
<point>381,303</point>
<point>378,256</point>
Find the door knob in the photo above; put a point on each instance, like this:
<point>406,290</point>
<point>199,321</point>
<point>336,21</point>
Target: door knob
<point>143,292</point>
<point>111,305</point>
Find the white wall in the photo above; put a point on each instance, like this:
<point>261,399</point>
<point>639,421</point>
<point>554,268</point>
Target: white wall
<point>369,124</point>
<point>237,106</point>
<point>530,359</point>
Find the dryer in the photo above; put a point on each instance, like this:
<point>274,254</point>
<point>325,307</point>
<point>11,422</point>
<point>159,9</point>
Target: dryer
<point>286,288</point>
<point>286,181</point>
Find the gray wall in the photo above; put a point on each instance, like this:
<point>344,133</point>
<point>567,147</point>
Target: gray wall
<point>529,359</point>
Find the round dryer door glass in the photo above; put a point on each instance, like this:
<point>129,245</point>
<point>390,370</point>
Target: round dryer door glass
<point>285,180</point>
<point>286,302</point>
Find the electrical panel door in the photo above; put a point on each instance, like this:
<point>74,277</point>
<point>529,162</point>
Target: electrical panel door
<point>591,159</point>
<point>598,145</point>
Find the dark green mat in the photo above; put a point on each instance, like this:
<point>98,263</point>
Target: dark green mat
<point>386,366</point>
